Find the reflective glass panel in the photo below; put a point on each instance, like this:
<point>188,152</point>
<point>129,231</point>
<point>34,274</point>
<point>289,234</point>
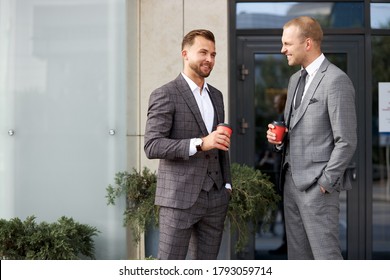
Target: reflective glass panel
<point>380,15</point>
<point>274,15</point>
<point>63,113</point>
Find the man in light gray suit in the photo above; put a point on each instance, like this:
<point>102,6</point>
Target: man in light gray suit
<point>193,181</point>
<point>320,143</point>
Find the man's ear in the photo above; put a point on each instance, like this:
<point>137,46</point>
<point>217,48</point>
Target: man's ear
<point>184,54</point>
<point>309,44</point>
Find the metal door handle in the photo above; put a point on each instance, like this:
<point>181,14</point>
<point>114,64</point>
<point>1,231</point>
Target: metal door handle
<point>243,126</point>
<point>352,168</point>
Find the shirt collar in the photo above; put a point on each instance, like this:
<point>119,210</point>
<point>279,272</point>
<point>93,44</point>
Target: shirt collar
<point>192,85</point>
<point>315,65</point>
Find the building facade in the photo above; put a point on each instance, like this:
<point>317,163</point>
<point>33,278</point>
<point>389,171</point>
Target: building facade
<point>75,79</point>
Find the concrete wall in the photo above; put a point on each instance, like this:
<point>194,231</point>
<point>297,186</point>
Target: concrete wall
<point>155,31</point>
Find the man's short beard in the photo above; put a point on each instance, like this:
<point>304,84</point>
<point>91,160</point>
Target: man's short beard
<point>196,69</point>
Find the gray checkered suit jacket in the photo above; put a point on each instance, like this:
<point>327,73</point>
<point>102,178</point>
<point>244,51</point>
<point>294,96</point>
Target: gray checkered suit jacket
<point>173,119</point>
<point>322,136</point>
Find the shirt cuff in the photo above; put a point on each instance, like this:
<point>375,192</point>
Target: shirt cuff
<point>228,186</point>
<point>192,150</point>
<point>279,147</point>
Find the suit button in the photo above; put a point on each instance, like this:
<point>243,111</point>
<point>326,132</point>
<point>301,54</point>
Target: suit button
<point>216,157</point>
<point>216,172</point>
<point>209,173</point>
<point>207,156</point>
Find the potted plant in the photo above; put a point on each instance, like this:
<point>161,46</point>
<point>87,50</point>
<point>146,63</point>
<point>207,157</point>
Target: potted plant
<point>61,240</point>
<point>252,197</point>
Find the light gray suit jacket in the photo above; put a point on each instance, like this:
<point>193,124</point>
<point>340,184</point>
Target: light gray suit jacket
<point>173,119</point>
<point>322,136</point>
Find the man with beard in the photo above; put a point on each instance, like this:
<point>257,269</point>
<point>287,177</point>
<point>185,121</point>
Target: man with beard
<point>193,181</point>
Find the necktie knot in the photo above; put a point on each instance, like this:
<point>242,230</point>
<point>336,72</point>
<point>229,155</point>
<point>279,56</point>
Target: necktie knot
<point>301,88</point>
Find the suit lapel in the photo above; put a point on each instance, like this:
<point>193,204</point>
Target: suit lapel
<point>189,98</point>
<point>218,107</point>
<point>310,92</point>
<point>290,96</point>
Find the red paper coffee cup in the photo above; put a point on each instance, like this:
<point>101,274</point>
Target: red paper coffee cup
<point>225,127</point>
<point>279,130</point>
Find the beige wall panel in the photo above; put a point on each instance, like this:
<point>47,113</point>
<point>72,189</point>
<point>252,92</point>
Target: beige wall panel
<point>161,31</point>
<point>133,127</point>
<point>134,151</point>
<point>133,96</point>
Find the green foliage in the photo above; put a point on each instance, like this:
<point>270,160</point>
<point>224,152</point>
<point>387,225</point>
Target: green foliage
<point>252,197</point>
<point>139,189</point>
<point>62,240</point>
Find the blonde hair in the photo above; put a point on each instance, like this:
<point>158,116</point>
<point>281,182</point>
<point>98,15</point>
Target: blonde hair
<point>308,26</point>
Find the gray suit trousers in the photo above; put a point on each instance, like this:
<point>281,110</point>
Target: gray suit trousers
<point>196,230</point>
<point>312,222</point>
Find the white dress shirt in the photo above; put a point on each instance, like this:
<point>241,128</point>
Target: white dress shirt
<point>205,105</point>
<point>312,71</point>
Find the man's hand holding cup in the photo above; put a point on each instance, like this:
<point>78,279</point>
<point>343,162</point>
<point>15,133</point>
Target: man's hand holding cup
<point>276,132</point>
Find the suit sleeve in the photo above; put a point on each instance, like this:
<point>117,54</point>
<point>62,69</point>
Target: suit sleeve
<point>342,116</point>
<point>160,119</point>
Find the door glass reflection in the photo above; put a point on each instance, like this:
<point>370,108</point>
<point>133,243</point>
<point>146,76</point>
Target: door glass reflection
<point>256,15</point>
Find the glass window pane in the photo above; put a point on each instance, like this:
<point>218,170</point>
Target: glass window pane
<point>380,15</point>
<point>274,15</point>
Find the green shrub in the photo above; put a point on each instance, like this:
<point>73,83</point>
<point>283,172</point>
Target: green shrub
<point>253,196</point>
<point>139,189</point>
<point>62,240</point>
